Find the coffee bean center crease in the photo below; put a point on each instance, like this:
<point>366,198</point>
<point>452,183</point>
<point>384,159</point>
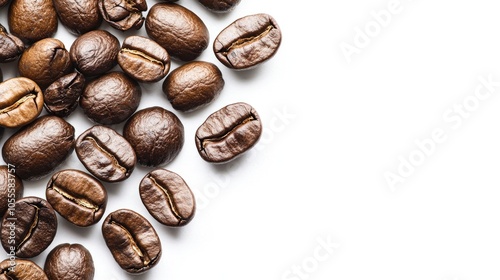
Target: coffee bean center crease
<point>104,151</point>
<point>235,126</point>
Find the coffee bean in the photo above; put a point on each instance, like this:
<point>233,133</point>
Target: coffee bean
<point>111,98</point>
<point>132,240</point>
<point>143,59</point>
<point>21,101</point>
<point>20,269</point>
<point>94,53</point>
<point>220,6</point>
<point>34,227</point>
<point>180,31</point>
<point>32,20</point>
<point>11,188</point>
<point>167,197</point>
<point>45,61</point>
<point>38,148</point>
<point>156,134</point>
<point>228,133</point>
<point>76,196</point>
<point>79,16</point>
<point>193,85</point>
<point>12,47</point>
<point>69,262</point>
<point>123,14</point>
<point>248,42</point>
<point>106,154</point>
<point>61,97</point>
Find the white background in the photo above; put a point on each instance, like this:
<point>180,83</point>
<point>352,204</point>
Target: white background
<point>334,126</point>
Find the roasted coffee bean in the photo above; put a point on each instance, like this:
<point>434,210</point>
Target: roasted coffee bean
<point>76,196</point>
<point>143,59</point>
<point>167,197</point>
<point>132,240</point>
<point>94,53</point>
<point>193,85</point>
<point>180,31</point>
<point>79,16</point>
<point>32,20</point>
<point>156,134</point>
<point>123,14</point>
<point>45,61</point>
<point>20,269</point>
<point>106,154</point>
<point>248,42</point>
<point>11,188</point>
<point>69,262</point>
<point>11,46</point>
<point>111,98</point>
<point>21,101</point>
<point>38,148</point>
<point>228,133</point>
<point>220,6</point>
<point>34,224</point>
<point>61,97</point>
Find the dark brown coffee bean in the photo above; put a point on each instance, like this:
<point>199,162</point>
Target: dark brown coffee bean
<point>61,97</point>
<point>79,16</point>
<point>20,269</point>
<point>11,46</point>
<point>248,42</point>
<point>167,197</point>
<point>38,148</point>
<point>69,262</point>
<point>21,101</point>
<point>11,188</point>
<point>32,20</point>
<point>123,14</point>
<point>193,85</point>
<point>156,134</point>
<point>228,133</point>
<point>94,53</point>
<point>45,61</point>
<point>30,229</point>
<point>132,240</point>
<point>76,196</point>
<point>143,59</point>
<point>106,154</point>
<point>220,6</point>
<point>180,31</point>
<point>111,98</point>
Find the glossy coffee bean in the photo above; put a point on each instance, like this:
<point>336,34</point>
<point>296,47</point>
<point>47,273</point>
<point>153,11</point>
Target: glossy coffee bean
<point>180,31</point>
<point>123,14</point>
<point>228,133</point>
<point>38,148</point>
<point>156,134</point>
<point>220,6</point>
<point>248,42</point>
<point>143,59</point>
<point>11,188</point>
<point>193,85</point>
<point>132,240</point>
<point>61,97</point>
<point>69,262</point>
<point>76,196</point>
<point>12,47</point>
<point>78,16</point>
<point>34,227</point>
<point>94,53</point>
<point>111,98</point>
<point>32,20</point>
<point>45,61</point>
<point>167,197</point>
<point>21,101</point>
<point>106,154</point>
<point>20,269</point>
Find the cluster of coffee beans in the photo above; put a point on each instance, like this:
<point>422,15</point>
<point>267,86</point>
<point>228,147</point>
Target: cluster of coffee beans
<point>61,80</point>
